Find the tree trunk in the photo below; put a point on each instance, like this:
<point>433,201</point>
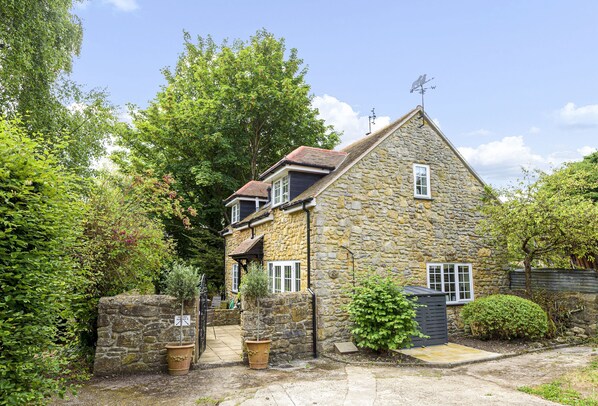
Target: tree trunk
<point>527,267</point>
<point>182,310</point>
<point>258,319</point>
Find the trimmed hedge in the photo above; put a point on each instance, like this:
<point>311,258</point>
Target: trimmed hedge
<point>505,317</point>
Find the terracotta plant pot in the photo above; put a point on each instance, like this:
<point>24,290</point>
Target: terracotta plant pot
<point>179,358</point>
<point>258,353</point>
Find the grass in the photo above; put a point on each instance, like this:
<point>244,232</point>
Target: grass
<point>208,401</point>
<point>577,388</point>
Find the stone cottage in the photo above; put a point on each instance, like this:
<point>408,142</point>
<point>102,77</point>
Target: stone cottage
<point>401,199</point>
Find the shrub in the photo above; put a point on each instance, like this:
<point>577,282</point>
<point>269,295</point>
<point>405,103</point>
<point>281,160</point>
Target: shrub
<point>255,285</point>
<point>182,283</point>
<point>505,317</point>
<point>383,317</point>
<point>40,215</point>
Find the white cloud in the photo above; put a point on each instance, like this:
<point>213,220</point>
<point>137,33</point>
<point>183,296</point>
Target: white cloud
<point>586,150</point>
<point>124,5</point>
<point>583,116</point>
<point>500,162</point>
<point>343,118</point>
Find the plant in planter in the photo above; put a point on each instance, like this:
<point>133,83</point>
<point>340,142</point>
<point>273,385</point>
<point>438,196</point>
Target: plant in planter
<point>255,286</point>
<point>182,283</point>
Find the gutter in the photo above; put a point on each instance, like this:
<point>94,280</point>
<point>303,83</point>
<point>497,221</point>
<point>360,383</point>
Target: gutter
<point>314,330</point>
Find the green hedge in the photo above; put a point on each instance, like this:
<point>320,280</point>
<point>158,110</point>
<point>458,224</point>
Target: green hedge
<point>505,317</point>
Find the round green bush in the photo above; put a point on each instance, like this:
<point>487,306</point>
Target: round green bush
<point>505,317</point>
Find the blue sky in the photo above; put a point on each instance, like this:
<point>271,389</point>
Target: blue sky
<point>516,81</point>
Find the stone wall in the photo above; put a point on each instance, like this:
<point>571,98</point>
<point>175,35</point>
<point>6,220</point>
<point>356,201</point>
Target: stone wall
<point>133,332</point>
<point>286,319</point>
<point>226,317</point>
<point>371,210</point>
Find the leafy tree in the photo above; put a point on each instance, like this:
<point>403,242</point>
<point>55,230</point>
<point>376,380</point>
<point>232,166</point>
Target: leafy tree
<point>226,113</point>
<point>40,217</point>
<point>126,246</point>
<point>38,40</point>
<point>383,317</point>
<point>542,221</point>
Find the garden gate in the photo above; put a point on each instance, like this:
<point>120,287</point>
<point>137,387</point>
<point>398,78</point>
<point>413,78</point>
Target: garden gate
<point>203,316</point>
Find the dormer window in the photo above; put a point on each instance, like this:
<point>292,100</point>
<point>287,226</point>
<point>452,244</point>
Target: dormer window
<point>280,191</point>
<point>235,212</point>
<point>421,181</point>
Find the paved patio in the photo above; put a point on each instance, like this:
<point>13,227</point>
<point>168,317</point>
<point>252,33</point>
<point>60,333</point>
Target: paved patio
<point>449,354</point>
<point>223,345</point>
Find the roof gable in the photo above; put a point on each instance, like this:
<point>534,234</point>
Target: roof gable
<point>311,157</point>
<point>253,188</point>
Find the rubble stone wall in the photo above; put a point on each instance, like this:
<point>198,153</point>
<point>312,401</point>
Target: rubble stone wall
<point>286,319</point>
<point>134,330</point>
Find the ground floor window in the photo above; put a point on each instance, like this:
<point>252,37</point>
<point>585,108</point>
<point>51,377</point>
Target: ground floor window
<point>453,279</point>
<point>285,276</point>
<point>235,278</point>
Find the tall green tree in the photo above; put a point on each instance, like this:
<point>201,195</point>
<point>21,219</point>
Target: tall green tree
<point>40,229</point>
<point>38,40</point>
<point>542,222</point>
<point>226,113</point>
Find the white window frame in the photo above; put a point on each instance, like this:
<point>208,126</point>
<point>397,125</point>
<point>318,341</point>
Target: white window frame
<point>428,195</point>
<point>235,278</point>
<point>235,213</point>
<point>280,191</point>
<point>457,284</point>
<point>284,276</point>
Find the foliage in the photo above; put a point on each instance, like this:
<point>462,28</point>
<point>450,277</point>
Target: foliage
<point>541,221</point>
<point>40,219</point>
<point>182,282</point>
<point>559,307</point>
<point>125,245</point>
<point>505,317</point>
<point>226,114</point>
<point>254,286</point>
<point>568,390</point>
<point>383,317</point>
<point>37,43</point>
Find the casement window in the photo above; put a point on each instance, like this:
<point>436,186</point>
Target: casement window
<point>235,278</point>
<point>453,279</point>
<point>284,276</point>
<point>235,213</point>
<point>280,191</point>
<point>421,181</point>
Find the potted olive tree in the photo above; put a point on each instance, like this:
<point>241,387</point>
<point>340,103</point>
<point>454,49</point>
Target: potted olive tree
<point>182,283</point>
<point>254,286</point>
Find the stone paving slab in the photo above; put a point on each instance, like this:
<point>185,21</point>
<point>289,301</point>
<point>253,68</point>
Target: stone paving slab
<point>223,345</point>
<point>449,354</point>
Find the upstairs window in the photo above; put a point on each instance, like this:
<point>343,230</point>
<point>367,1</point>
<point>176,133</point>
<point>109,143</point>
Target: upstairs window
<point>235,278</point>
<point>421,181</point>
<point>453,279</point>
<point>280,191</point>
<point>235,213</point>
<point>284,276</point>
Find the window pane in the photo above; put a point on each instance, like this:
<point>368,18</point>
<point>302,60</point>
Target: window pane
<point>271,276</point>
<point>421,180</point>
<point>276,192</point>
<point>297,277</point>
<point>464,282</point>
<point>277,278</point>
<point>449,282</point>
<point>435,277</point>
<point>285,189</point>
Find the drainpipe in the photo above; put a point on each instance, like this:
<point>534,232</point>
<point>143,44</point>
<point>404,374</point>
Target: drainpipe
<point>314,330</point>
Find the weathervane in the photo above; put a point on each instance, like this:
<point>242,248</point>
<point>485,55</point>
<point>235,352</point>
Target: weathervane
<point>418,86</point>
<point>371,120</point>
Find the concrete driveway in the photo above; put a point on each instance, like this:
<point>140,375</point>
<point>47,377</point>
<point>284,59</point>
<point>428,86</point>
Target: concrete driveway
<point>325,382</point>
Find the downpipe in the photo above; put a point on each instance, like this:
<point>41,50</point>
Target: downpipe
<point>314,330</point>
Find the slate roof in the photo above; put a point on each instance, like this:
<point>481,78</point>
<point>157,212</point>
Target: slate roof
<point>253,188</point>
<point>309,156</point>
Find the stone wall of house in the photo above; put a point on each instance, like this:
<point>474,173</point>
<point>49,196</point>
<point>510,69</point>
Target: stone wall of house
<point>285,241</point>
<point>372,211</point>
<point>226,317</point>
<point>286,319</point>
<point>133,332</point>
